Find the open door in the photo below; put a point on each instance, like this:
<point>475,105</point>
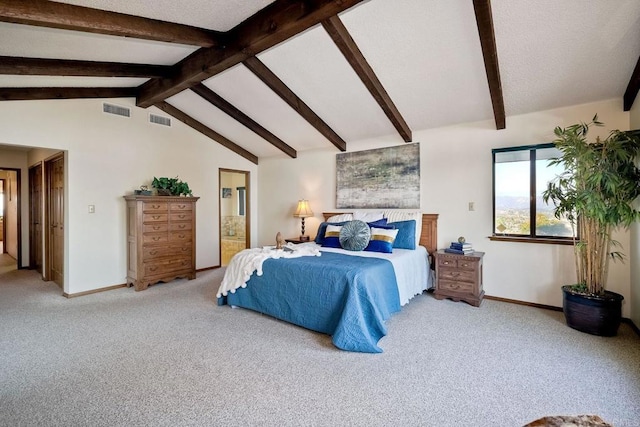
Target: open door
<point>54,243</point>
<point>35,217</point>
<point>234,213</point>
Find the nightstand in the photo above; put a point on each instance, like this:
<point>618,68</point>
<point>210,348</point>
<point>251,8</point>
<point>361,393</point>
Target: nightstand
<point>459,277</point>
<point>297,240</point>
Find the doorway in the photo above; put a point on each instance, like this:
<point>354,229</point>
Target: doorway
<point>234,213</point>
<point>10,235</point>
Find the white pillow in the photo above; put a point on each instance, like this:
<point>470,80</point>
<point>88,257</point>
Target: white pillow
<point>340,218</point>
<point>398,215</point>
<point>367,216</point>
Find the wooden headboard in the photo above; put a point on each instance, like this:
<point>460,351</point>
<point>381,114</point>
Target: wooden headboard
<point>428,237</point>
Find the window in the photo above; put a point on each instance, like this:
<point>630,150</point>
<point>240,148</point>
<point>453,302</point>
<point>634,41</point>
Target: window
<point>242,199</point>
<point>520,176</point>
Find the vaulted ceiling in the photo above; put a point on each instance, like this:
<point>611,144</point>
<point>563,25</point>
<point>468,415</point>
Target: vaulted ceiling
<point>271,78</point>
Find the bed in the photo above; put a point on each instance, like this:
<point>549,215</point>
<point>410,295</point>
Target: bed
<point>345,294</point>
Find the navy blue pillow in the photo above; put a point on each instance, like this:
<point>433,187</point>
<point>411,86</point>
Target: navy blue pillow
<point>322,229</point>
<point>381,240</point>
<point>406,238</point>
<point>332,237</point>
<point>378,223</point>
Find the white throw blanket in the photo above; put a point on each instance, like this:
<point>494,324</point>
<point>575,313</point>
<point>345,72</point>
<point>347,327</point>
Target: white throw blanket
<point>245,262</point>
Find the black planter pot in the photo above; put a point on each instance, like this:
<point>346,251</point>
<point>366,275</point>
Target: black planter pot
<point>593,314</point>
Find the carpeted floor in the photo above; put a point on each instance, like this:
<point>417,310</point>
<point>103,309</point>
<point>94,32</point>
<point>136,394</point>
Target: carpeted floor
<point>168,356</point>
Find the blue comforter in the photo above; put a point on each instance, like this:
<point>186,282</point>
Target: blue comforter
<point>348,297</point>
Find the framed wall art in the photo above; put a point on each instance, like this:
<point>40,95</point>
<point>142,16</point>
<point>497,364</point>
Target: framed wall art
<point>380,178</point>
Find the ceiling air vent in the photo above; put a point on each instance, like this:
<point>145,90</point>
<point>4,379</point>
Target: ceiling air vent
<point>116,109</point>
<point>159,120</point>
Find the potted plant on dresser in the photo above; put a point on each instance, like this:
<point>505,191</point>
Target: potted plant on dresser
<point>596,193</point>
<point>171,186</point>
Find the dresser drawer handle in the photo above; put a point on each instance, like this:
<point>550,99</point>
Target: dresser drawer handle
<point>182,216</point>
<point>181,236</point>
<point>153,268</point>
<point>155,206</point>
<point>182,206</point>
<point>181,226</point>
<point>155,216</point>
<point>153,252</point>
<point>156,227</point>
<point>466,265</point>
<point>445,262</point>
<point>155,239</point>
<point>185,249</point>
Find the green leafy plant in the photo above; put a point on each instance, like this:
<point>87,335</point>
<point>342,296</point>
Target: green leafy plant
<point>175,186</point>
<point>595,193</point>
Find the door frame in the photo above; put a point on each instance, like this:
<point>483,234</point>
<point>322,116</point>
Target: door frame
<point>247,208</point>
<point>18,213</point>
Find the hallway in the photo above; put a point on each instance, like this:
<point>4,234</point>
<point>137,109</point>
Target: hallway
<point>7,263</point>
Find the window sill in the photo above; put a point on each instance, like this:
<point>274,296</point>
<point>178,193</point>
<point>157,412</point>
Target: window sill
<point>523,239</point>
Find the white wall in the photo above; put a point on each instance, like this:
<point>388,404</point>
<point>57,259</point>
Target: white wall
<point>455,169</point>
<point>635,238</point>
<point>107,157</point>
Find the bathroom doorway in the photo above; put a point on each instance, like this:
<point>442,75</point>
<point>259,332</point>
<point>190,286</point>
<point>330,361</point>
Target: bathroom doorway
<point>234,213</point>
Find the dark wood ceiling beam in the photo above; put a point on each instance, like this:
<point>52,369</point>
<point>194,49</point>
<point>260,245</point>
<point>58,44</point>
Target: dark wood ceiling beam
<point>206,131</point>
<point>270,79</point>
<point>64,67</point>
<point>484,19</point>
<point>275,23</point>
<point>215,99</point>
<point>632,88</point>
<point>38,93</point>
<point>51,14</point>
<point>341,37</point>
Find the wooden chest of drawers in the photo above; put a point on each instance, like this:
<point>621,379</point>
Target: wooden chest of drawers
<point>459,277</point>
<point>161,239</point>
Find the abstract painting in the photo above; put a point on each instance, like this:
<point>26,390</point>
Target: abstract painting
<point>380,178</point>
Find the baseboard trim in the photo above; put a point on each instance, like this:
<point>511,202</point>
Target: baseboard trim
<point>94,291</point>
<point>200,270</point>
<point>553,308</point>
<point>633,325</point>
<point>529,304</point>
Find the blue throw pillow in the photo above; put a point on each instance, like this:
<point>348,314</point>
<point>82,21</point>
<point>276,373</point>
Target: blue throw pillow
<point>381,240</point>
<point>332,236</point>
<point>322,230</point>
<point>379,223</point>
<point>406,238</point>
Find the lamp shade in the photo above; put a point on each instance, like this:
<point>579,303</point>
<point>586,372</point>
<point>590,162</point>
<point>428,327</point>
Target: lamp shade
<point>303,210</point>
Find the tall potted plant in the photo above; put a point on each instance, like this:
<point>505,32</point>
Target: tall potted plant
<point>596,193</point>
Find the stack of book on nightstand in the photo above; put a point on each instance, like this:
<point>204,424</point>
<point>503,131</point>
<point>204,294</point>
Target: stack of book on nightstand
<point>460,248</point>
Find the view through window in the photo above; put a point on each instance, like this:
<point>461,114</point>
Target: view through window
<point>520,176</point>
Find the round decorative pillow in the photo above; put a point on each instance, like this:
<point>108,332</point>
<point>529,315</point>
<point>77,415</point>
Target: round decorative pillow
<point>355,235</point>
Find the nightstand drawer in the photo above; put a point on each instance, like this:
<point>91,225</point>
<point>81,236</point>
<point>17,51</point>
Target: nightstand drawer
<point>453,286</point>
<point>457,263</point>
<point>457,275</point>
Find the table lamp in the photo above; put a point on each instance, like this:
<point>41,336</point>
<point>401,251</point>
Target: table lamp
<point>303,211</point>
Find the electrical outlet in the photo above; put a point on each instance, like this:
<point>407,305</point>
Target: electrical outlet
<point>92,208</point>
<point>472,206</point>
